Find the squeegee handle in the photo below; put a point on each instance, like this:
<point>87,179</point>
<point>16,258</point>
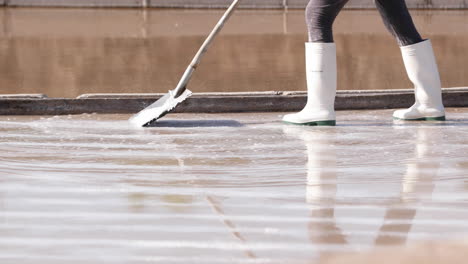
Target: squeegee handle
<point>196,60</point>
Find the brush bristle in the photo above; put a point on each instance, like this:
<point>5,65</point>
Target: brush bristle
<point>158,109</point>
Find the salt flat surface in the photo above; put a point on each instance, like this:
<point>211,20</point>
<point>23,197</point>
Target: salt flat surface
<point>230,188</point>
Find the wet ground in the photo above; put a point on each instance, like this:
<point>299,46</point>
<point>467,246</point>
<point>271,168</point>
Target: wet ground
<point>230,188</point>
<point>69,52</point>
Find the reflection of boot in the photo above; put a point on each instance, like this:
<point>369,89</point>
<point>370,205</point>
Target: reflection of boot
<point>321,183</point>
<point>321,166</point>
<point>321,163</point>
<point>321,87</point>
<point>421,68</point>
<point>417,184</point>
<point>418,180</point>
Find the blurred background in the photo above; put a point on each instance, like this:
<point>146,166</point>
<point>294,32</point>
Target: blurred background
<point>65,48</point>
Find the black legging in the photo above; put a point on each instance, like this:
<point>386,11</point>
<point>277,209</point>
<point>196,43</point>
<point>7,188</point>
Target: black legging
<point>320,15</point>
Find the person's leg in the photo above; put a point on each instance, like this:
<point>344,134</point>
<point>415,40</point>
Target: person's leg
<point>320,15</point>
<point>419,60</point>
<point>398,21</point>
<point>320,65</point>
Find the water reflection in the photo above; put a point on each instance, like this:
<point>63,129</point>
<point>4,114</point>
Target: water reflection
<point>422,169</point>
<point>321,186</point>
<point>217,207</point>
<point>328,190</point>
<point>417,184</point>
<point>68,52</point>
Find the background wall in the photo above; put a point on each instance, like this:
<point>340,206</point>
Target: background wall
<point>444,4</point>
<point>65,52</point>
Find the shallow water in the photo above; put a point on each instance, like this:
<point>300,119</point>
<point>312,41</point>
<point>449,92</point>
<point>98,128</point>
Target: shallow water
<point>233,188</point>
<point>68,52</point>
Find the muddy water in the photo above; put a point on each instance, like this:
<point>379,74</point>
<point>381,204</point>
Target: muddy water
<point>235,188</point>
<point>68,52</point>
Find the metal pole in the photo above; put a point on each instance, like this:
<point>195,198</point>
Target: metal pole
<point>196,60</point>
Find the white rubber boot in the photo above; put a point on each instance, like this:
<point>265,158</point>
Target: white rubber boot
<point>321,87</point>
<point>421,68</point>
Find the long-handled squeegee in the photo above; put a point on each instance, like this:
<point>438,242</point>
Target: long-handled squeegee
<point>169,101</point>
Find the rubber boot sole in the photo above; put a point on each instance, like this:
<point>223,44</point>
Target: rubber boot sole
<point>315,123</point>
<point>439,118</point>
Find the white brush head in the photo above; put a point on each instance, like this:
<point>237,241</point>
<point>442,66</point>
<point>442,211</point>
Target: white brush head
<point>158,109</point>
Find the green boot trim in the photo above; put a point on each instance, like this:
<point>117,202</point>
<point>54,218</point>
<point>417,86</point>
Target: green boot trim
<point>439,118</point>
<point>315,123</point>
